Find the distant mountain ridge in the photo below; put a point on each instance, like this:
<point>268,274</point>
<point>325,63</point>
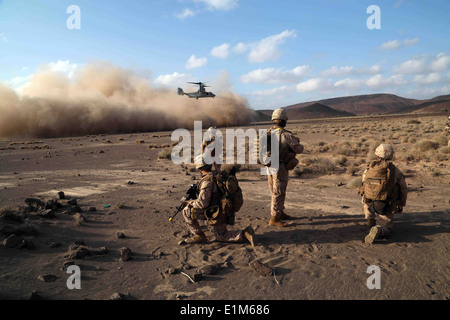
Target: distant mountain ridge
<point>371,104</point>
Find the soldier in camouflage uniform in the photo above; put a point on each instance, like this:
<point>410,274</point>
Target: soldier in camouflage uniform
<point>380,214</point>
<point>208,200</point>
<point>289,146</point>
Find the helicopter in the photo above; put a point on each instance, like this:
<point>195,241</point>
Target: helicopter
<point>201,93</point>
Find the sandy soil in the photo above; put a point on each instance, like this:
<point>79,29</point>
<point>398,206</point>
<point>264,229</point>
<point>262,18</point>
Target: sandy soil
<point>321,255</point>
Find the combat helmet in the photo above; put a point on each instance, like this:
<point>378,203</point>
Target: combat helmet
<point>385,151</point>
<point>200,163</point>
<point>279,114</point>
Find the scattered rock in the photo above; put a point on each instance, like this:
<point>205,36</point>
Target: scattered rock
<point>12,241</point>
<point>92,209</point>
<point>118,296</point>
<point>47,277</point>
<point>53,204</point>
<point>210,269</point>
<point>120,235</point>
<point>75,209</point>
<point>34,204</point>
<point>171,271</point>
<point>61,195</point>
<point>125,254</point>
<point>54,244</point>
<point>73,202</point>
<point>79,219</point>
<point>79,251</point>
<point>48,214</point>
<point>35,296</point>
<point>260,268</point>
<point>197,277</point>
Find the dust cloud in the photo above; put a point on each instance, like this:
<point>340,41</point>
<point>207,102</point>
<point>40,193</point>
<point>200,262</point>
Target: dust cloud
<point>103,98</point>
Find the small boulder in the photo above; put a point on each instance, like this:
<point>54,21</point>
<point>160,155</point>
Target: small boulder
<point>125,254</point>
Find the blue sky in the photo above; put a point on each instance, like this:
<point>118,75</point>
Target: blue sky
<point>273,52</point>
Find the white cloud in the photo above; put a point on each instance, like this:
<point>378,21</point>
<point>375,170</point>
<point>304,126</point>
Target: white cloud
<point>424,64</point>
<point>441,63</point>
<point>221,51</point>
<point>410,42</point>
<point>3,37</point>
<point>273,91</point>
<point>223,5</point>
<point>195,62</point>
<point>348,83</point>
<point>413,66</point>
<point>272,75</point>
<point>186,13</point>
<point>350,70</point>
<point>173,80</point>
<point>378,81</point>
<point>427,79</point>
<point>240,48</point>
<point>396,44</point>
<point>391,45</point>
<point>267,48</point>
<point>315,84</point>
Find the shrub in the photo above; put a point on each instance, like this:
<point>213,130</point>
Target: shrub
<point>341,160</point>
<point>164,154</point>
<point>426,145</point>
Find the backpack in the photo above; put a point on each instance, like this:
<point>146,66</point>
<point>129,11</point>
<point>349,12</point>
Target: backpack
<point>232,197</point>
<point>379,183</point>
<point>286,154</point>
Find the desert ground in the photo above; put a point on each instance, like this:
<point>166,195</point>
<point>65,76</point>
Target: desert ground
<point>121,189</point>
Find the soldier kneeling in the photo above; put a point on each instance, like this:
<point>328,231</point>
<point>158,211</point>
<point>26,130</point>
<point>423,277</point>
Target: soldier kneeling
<point>383,193</point>
<point>207,207</point>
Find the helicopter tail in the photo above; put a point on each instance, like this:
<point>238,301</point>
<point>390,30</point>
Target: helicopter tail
<point>180,92</point>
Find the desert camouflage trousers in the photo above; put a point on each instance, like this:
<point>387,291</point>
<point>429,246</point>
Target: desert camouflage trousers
<point>221,233</point>
<point>385,222</point>
<point>278,185</point>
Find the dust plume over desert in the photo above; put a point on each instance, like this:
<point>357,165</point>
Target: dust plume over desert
<point>104,98</point>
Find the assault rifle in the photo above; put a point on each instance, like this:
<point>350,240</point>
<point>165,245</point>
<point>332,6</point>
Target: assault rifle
<point>190,195</point>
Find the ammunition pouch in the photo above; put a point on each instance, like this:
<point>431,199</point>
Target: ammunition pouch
<point>291,164</point>
<point>198,214</point>
<point>213,215</point>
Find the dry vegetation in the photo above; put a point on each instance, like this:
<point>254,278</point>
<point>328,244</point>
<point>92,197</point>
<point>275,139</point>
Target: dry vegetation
<point>416,143</point>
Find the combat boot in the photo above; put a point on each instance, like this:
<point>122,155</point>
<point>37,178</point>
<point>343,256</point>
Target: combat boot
<point>277,223</point>
<point>196,238</point>
<point>373,234</point>
<point>249,234</point>
<point>284,216</point>
<point>371,223</point>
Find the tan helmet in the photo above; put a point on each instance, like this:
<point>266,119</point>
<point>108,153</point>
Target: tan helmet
<point>385,151</point>
<point>200,163</point>
<point>279,114</point>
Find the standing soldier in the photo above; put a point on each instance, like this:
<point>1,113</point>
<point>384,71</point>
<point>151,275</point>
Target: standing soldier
<point>210,144</point>
<point>207,207</point>
<point>289,146</point>
<point>384,193</point>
